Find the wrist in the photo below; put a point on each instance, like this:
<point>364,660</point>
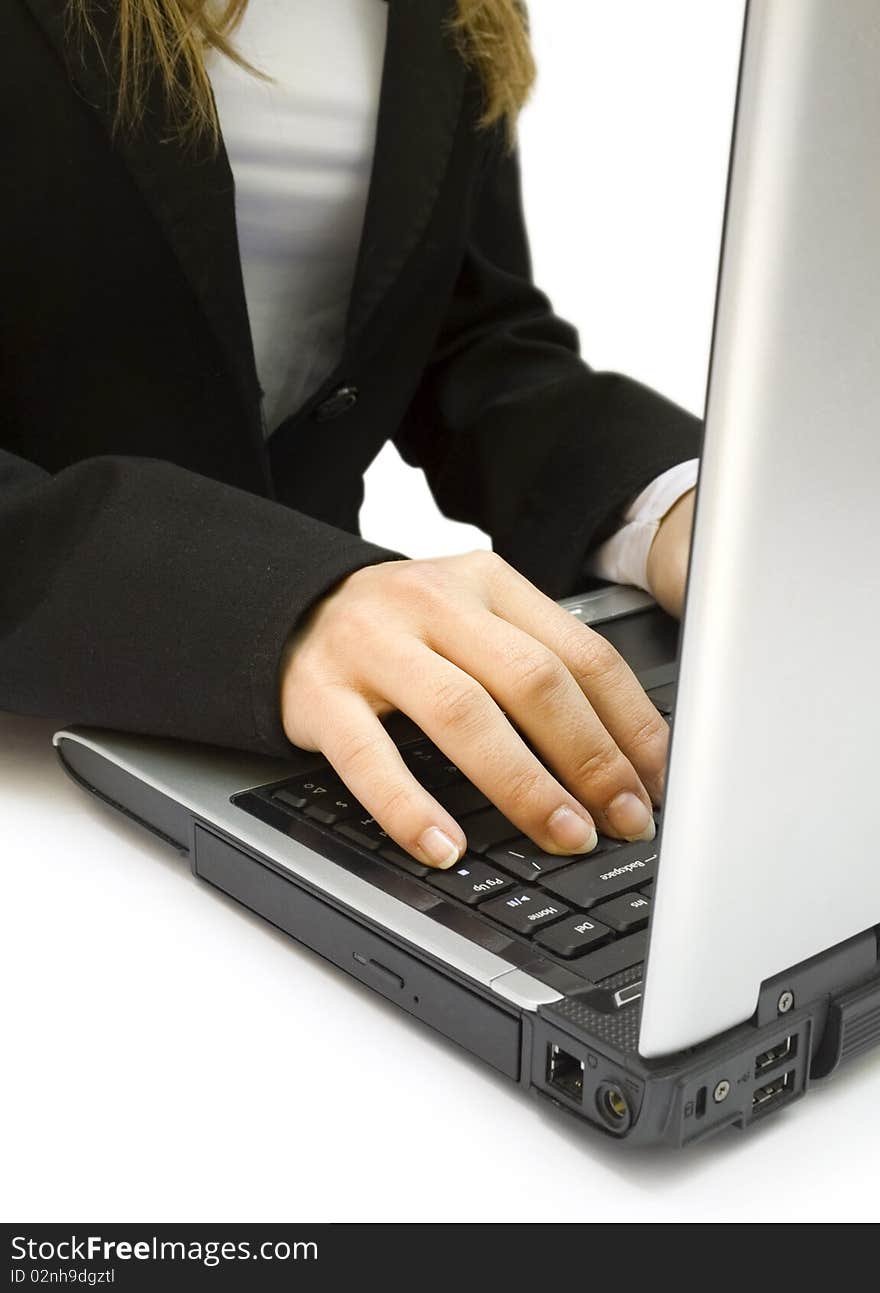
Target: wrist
<point>669,553</point>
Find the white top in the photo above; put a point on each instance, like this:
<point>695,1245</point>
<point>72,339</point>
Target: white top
<point>623,559</point>
<point>301,152</point>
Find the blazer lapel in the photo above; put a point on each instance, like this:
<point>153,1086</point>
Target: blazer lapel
<point>190,190</point>
<point>422,86</point>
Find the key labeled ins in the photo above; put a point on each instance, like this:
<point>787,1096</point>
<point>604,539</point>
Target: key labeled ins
<point>624,914</point>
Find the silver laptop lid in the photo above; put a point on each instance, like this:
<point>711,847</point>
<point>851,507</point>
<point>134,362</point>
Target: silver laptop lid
<point>769,851</point>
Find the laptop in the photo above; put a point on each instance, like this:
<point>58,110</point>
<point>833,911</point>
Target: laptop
<point>659,992</point>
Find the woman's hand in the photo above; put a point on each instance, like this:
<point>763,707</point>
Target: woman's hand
<point>487,666</point>
<point>668,558</point>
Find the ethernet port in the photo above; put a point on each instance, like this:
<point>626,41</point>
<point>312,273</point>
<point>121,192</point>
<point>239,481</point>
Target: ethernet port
<point>565,1073</point>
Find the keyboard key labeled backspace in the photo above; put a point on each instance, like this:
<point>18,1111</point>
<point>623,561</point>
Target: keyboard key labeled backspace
<point>585,884</point>
<point>524,910</point>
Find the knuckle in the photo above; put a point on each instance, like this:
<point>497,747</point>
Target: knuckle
<point>594,658</point>
<point>392,801</point>
<point>356,753</point>
<point>524,789</point>
<point>456,704</point>
<point>539,675</point>
<point>423,583</point>
<point>650,739</point>
<point>436,584</point>
<point>486,562</point>
<point>357,620</point>
<point>364,581</point>
<point>601,767</point>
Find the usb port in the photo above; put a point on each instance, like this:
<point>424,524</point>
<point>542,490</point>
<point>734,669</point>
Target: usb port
<point>773,1092</point>
<point>565,1072</point>
<point>786,1049</point>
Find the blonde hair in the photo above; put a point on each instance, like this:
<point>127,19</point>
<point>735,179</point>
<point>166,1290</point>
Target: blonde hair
<point>169,38</point>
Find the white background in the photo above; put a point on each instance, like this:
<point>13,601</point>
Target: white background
<point>625,150</point>
<point>167,1056</point>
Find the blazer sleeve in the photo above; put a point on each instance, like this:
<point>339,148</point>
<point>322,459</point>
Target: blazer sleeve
<point>137,595</point>
<point>516,433</point>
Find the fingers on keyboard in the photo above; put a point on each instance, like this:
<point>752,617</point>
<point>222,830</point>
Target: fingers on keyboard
<point>577,909</point>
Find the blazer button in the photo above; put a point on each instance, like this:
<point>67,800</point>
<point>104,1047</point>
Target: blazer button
<point>342,399</point>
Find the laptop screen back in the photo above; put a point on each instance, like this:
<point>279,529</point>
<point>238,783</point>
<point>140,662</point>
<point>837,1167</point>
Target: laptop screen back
<point>768,852</point>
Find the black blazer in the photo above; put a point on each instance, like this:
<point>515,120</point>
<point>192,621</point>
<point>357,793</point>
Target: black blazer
<point>155,551</point>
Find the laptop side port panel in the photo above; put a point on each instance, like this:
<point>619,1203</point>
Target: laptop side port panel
<point>738,1080</point>
<point>749,1082</point>
<point>579,1078</point>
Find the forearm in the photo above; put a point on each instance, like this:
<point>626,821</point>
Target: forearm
<point>141,596</point>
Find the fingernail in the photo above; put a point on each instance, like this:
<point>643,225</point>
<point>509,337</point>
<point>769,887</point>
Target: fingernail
<point>571,832</point>
<point>631,818</point>
<point>438,848</point>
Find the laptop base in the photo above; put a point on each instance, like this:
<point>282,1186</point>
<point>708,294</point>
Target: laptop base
<point>578,1050</point>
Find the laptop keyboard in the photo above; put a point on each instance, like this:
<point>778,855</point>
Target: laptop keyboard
<point>564,919</point>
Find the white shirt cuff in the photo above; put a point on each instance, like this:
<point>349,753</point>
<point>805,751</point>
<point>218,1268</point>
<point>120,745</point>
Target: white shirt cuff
<point>623,559</point>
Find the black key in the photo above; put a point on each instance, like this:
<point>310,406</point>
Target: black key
<point>524,859</point>
<point>334,807</point>
<point>365,831</point>
<point>315,785</point>
<point>524,910</point>
<point>624,914</point>
<point>391,853</point>
<point>429,765</point>
<point>486,828</point>
<point>324,815</point>
<point>590,882</point>
<point>460,798</point>
<point>574,936</point>
<point>290,797</point>
<point>324,787</point>
<point>471,881</point>
<point>612,958</point>
<point>648,890</point>
<point>605,843</point>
